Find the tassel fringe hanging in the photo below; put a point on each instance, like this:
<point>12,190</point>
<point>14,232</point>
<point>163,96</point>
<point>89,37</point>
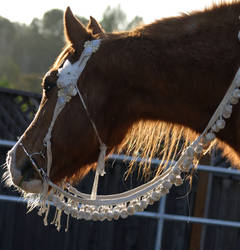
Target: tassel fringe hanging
<point>100,170</point>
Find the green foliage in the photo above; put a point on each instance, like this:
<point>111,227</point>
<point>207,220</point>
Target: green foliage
<point>113,19</point>
<point>27,51</point>
<point>30,82</point>
<point>9,69</point>
<point>7,35</point>
<point>135,22</point>
<point>52,24</point>
<point>4,82</point>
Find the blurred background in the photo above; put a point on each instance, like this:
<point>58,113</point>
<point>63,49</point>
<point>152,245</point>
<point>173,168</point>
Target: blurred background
<point>31,33</point>
<point>28,50</point>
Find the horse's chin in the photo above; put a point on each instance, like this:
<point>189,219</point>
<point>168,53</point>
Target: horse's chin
<point>14,178</point>
<point>32,186</point>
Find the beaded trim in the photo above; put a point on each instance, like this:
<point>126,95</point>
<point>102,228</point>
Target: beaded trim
<point>108,207</point>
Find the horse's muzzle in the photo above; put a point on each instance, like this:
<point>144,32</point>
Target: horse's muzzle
<point>22,174</point>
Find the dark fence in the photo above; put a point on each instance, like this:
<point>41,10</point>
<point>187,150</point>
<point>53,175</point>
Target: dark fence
<point>22,231</point>
<point>17,109</point>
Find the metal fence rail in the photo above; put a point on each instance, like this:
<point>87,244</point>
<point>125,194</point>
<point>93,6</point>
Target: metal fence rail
<point>161,216</point>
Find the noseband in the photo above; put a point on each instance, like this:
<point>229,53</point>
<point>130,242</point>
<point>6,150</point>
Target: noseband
<point>100,207</point>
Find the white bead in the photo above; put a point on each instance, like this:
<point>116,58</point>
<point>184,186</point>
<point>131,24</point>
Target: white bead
<point>176,170</point>
<point>178,181</point>
<point>220,124</point>
<point>164,190</point>
<point>150,201</point>
<point>215,128</point>
<point>143,204</point>
<point>87,215</point>
<point>81,214</point>
<point>186,165</point>
<point>124,213</point>
<point>116,214</point>
<point>95,215</point>
<point>172,178</point>
<point>238,80</point>
<point>185,168</point>
<point>199,149</point>
<point>71,90</point>
<point>236,93</point>
<point>74,213</point>
<point>227,111</point>
<point>110,215</point>
<point>138,207</point>
<point>91,208</point>
<point>188,168</point>
<point>155,195</point>
<point>228,107</point>
<point>190,152</point>
<point>226,114</point>
<point>210,136</point>
<point>131,209</point>
<point>102,216</point>
<point>167,184</point>
<point>233,100</point>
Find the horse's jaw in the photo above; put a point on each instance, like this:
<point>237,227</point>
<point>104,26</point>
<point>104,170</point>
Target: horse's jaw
<point>14,177</point>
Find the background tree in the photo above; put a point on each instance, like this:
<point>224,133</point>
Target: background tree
<point>113,19</point>
<point>27,51</point>
<point>135,22</point>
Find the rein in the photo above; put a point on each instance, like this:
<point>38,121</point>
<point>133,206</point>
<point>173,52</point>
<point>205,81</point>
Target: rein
<point>95,207</point>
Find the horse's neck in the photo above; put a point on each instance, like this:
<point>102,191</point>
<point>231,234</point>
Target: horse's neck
<point>180,76</point>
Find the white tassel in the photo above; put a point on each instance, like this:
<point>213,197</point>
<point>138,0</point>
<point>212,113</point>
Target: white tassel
<point>101,159</point>
<point>100,170</point>
<point>58,220</point>
<point>46,215</point>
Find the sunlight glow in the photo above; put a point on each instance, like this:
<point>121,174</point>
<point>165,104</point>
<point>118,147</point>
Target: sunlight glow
<point>24,11</point>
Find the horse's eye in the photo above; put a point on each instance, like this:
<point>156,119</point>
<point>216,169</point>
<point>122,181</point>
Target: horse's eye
<point>48,85</point>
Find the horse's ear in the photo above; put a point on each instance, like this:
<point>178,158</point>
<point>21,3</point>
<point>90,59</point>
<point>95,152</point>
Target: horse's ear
<point>74,30</point>
<point>94,26</point>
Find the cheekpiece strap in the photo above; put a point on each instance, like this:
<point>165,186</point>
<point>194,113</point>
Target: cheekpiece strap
<point>67,83</point>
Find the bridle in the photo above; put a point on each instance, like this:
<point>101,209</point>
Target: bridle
<point>95,207</point>
<point>68,76</point>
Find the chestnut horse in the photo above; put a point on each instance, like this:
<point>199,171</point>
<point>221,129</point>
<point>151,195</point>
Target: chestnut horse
<point>174,72</point>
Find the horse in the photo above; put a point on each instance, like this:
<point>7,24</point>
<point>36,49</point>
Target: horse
<point>141,87</point>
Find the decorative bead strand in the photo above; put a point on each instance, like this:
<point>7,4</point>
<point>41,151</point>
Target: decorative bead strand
<point>80,206</point>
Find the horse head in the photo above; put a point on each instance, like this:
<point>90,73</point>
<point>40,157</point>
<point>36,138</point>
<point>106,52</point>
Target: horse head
<point>165,71</point>
<point>74,143</point>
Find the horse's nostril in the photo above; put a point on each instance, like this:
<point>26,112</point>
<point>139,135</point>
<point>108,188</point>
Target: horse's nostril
<point>27,171</point>
<point>29,180</point>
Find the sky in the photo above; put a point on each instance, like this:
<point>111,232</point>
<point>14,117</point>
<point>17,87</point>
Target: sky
<point>24,11</point>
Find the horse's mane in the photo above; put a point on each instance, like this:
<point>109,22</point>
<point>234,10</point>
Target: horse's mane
<point>148,139</point>
<point>154,139</point>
